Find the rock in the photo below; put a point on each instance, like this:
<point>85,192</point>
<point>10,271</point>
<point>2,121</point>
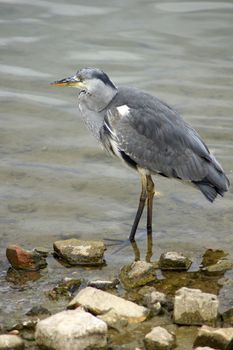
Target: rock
<point>219,268</point>
<point>150,298</point>
<point>228,317</point>
<point>38,310</point>
<point>193,307</point>
<point>160,339</point>
<point>174,261</point>
<point>218,338</point>
<point>21,277</point>
<point>212,256</point>
<point>100,302</point>
<point>113,320</point>
<point>71,329</point>
<point>205,348</point>
<point>137,274</point>
<point>78,252</point>
<point>11,342</point>
<point>42,251</point>
<point>103,285</point>
<point>66,288</point>
<point>20,258</point>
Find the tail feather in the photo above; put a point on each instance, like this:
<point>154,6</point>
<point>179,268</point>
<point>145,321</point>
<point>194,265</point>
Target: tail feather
<point>216,182</point>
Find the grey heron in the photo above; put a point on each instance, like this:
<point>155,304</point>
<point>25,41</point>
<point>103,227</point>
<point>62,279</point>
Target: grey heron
<point>148,135</point>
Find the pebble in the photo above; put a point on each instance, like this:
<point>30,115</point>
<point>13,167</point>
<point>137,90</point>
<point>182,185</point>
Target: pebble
<point>174,261</point>
<point>71,329</point>
<point>137,274</point>
<point>11,342</point>
<point>21,259</point>
<point>218,338</point>
<point>42,251</point>
<point>193,307</point>
<point>100,302</point>
<point>160,339</point>
<point>78,252</point>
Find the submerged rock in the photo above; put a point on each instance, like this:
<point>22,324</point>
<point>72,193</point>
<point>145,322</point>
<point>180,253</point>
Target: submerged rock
<point>71,329</point>
<point>38,310</point>
<point>174,261</point>
<point>100,302</point>
<point>212,256</point>
<point>160,339</point>
<point>218,338</point>
<point>66,288</point>
<point>137,274</point>
<point>78,252</point>
<point>219,268</point>
<point>21,259</point>
<point>11,342</point>
<point>193,307</point>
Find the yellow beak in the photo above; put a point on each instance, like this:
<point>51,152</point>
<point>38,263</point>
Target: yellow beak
<point>69,82</point>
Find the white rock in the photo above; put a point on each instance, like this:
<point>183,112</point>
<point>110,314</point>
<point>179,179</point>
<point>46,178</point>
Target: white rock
<point>11,342</point>
<point>193,307</point>
<point>160,339</point>
<point>71,329</point>
<point>205,348</point>
<point>100,302</point>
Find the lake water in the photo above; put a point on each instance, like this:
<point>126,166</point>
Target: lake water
<point>55,181</point>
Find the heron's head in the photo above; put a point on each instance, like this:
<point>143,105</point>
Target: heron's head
<point>88,79</point>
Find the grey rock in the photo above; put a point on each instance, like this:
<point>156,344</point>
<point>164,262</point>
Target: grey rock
<point>71,329</point>
<point>160,339</point>
<point>100,302</point>
<point>42,251</point>
<point>174,261</point>
<point>218,338</point>
<point>114,320</point>
<point>103,285</point>
<point>137,274</point>
<point>193,307</point>
<point>38,310</point>
<point>11,342</point>
<point>78,252</point>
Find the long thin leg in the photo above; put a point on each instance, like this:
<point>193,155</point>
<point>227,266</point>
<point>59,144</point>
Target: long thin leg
<point>141,206</point>
<point>150,195</point>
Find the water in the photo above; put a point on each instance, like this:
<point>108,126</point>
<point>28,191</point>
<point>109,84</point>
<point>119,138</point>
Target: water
<point>55,182</point>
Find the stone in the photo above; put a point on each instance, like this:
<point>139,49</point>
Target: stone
<point>100,302</point>
<point>71,329</point>
<point>212,256</point>
<point>228,317</point>
<point>103,285</point>
<point>38,310</point>
<point>218,338</point>
<point>137,274</point>
<point>42,251</point>
<point>174,261</point>
<point>114,320</point>
<point>205,348</point>
<point>160,339</point>
<point>11,342</point>
<point>65,289</point>
<point>78,252</point>
<point>150,297</point>
<point>219,268</point>
<point>193,307</point>
<point>21,259</point>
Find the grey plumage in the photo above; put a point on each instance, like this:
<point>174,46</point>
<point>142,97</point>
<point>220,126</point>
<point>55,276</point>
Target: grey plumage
<point>148,135</point>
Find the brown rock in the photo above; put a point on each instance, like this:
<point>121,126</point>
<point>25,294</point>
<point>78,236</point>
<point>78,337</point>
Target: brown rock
<point>21,259</point>
<point>218,338</point>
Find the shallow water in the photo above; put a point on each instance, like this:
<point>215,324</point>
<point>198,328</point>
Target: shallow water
<point>55,181</point>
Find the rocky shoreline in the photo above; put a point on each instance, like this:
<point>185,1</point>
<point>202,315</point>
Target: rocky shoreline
<point>136,310</point>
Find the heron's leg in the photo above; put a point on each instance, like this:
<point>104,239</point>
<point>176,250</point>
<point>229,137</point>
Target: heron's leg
<point>140,208</point>
<point>150,195</point>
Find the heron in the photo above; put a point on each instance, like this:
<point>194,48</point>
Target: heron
<point>146,134</point>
